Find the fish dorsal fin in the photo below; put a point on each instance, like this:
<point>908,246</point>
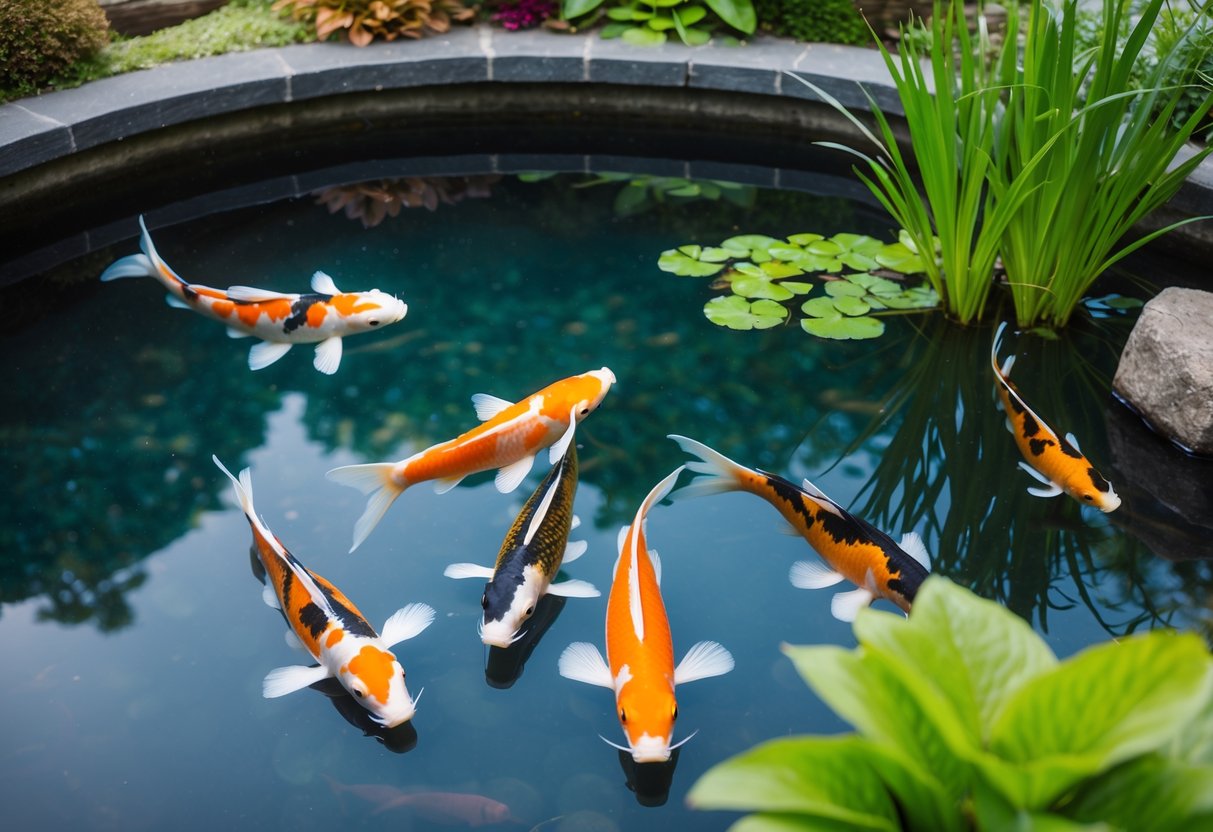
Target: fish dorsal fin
<point>322,284</point>
<point>561,446</point>
<point>1073,440</point>
<point>488,406</point>
<point>656,559</point>
<point>541,511</point>
<point>655,496</point>
<point>822,500</point>
<point>995,346</point>
<point>911,543</point>
<point>509,476</point>
<point>405,623</point>
<point>251,294</point>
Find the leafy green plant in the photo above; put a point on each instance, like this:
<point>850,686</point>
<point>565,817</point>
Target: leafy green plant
<point>649,22</point>
<point>755,269</point>
<point>362,21</point>
<point>40,40</point>
<point>817,21</point>
<point>967,720</point>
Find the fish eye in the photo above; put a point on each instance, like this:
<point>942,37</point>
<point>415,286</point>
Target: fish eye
<point>623,715</point>
<point>530,610</point>
<point>484,600</point>
<point>1088,498</point>
<point>585,411</point>
<point>358,693</point>
<point>373,323</point>
<point>675,714</point>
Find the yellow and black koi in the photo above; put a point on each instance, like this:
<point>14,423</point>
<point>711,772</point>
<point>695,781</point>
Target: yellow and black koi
<point>322,317</point>
<point>1055,461</point>
<point>854,549</point>
<point>532,553</point>
<point>329,627</point>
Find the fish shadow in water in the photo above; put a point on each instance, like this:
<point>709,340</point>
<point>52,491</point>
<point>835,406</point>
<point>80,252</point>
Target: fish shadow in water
<point>401,739</point>
<point>504,665</point>
<point>429,808</point>
<point>650,782</point>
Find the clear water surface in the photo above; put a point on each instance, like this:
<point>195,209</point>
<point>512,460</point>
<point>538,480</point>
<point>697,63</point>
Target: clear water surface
<point>132,634</point>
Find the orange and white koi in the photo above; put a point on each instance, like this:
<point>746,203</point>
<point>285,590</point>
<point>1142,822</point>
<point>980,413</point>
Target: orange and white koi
<point>852,548</point>
<point>640,650</point>
<point>322,317</point>
<point>1055,461</point>
<point>534,549</point>
<point>328,626</point>
<point>508,440</point>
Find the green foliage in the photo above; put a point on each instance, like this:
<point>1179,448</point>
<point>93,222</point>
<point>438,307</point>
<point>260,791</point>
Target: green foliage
<point>649,22</point>
<point>755,268</point>
<point>966,720</point>
<point>816,21</point>
<point>40,40</point>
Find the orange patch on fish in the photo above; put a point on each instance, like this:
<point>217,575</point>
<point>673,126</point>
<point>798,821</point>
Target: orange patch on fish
<point>223,308</point>
<point>316,313</point>
<point>349,305</point>
<point>275,310</point>
<point>334,636</point>
<point>374,667</point>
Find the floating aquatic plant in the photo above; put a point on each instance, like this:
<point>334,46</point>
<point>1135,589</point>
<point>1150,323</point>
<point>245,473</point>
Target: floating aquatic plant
<point>756,268</point>
<point>649,22</point>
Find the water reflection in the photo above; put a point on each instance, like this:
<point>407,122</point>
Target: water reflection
<point>650,782</point>
<point>399,740</point>
<point>504,665</point>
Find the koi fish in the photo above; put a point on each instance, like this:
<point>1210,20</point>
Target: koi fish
<point>327,624</point>
<point>440,807</point>
<point>640,650</point>
<point>510,436</point>
<point>280,320</point>
<point>852,548</point>
<point>531,554</point>
<point>1055,461</point>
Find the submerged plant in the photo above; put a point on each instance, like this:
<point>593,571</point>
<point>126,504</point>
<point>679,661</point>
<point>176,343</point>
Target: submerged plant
<point>966,720</point>
<point>649,22</point>
<point>361,21</point>
<point>755,269</point>
<point>372,202</point>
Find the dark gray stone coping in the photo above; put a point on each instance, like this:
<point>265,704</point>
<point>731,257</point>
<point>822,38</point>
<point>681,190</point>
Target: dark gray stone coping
<point>34,131</point>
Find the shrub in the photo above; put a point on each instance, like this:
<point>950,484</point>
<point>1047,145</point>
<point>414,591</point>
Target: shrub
<point>817,21</point>
<point>39,40</point>
<point>364,20</point>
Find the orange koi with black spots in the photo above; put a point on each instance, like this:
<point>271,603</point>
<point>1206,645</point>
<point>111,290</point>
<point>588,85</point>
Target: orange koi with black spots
<point>510,436</point>
<point>1054,460</point>
<point>325,623</point>
<point>322,317</point>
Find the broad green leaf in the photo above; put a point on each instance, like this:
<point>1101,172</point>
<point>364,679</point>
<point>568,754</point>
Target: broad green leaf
<point>775,270</point>
<point>750,243</point>
<point>974,652</point>
<point>820,308</point>
<point>860,243</point>
<point>1101,707</point>
<point>614,30</point>
<point>689,189</point>
<point>621,13</point>
<point>1122,302</point>
<point>737,13</point>
<point>749,269</point>
<point>843,329</point>
<point>796,288</point>
<point>760,286</point>
<point>804,239</point>
<point>826,777</point>
<point>1195,744</point>
<point>643,37</point>
<point>691,15</point>
<point>899,258</point>
<point>677,261</point>
<point>697,37</point>
<point>857,260</point>
<point>711,254</point>
<point>1146,793</point>
<point>785,251</point>
<point>826,247</point>
<point>851,306</point>
<point>922,297</point>
<point>922,801</point>
<point>576,8</point>
<point>789,822</point>
<point>736,312</point>
<point>844,288</point>
<point>631,199</point>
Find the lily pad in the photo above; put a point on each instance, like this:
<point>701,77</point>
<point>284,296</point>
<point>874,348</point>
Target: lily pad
<point>900,258</point>
<point>736,312</point>
<point>844,288</point>
<point>776,270</point>
<point>762,285</point>
<point>843,329</point>
<point>685,264</point>
<point>851,306</point>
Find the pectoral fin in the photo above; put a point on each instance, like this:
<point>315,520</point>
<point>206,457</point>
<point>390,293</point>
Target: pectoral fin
<point>511,475</point>
<point>406,623</point>
<point>1036,474</point>
<point>270,597</point>
<point>232,332</point>
<point>283,680</point>
<point>582,662</point>
<point>468,570</point>
<point>1051,491</point>
<point>806,574</point>
<point>702,661</point>
<point>846,605</point>
<point>265,353</point>
<point>445,485</point>
<point>328,355</point>
<point>574,550</point>
<point>176,302</point>
<point>573,589</point>
<point>292,641</point>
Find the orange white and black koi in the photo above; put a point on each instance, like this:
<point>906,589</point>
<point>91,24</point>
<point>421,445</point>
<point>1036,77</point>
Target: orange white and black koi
<point>281,320</point>
<point>330,628</point>
<point>508,440</point>
<point>640,651</point>
<point>852,548</point>
<point>1055,461</point>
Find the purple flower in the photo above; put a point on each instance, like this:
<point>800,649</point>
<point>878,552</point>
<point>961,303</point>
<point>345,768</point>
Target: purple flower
<point>524,14</point>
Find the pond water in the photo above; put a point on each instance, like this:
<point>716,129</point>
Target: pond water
<point>132,633</point>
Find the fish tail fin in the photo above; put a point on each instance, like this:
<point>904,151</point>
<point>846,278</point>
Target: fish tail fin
<point>723,474</point>
<point>134,265</point>
<point>659,492</point>
<point>375,480</point>
<point>996,347</point>
<point>243,487</point>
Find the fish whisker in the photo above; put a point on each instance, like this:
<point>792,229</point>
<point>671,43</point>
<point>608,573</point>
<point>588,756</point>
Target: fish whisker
<point>417,699</point>
<point>683,742</point>
<point>617,745</point>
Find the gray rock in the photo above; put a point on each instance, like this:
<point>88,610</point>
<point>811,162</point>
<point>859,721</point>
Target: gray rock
<point>1166,369</point>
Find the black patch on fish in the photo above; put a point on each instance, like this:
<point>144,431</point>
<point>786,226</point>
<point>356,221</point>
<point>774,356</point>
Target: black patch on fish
<point>298,316</point>
<point>791,494</point>
<point>1098,481</point>
<point>1030,426</point>
<point>188,292</point>
<point>1037,446</point>
<point>500,591</point>
<point>312,617</point>
<point>1069,450</point>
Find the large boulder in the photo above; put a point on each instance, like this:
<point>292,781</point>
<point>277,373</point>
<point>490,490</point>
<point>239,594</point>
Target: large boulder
<point>1166,369</point>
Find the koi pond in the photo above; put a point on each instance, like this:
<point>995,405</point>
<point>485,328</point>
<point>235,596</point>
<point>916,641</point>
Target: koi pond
<point>133,633</point>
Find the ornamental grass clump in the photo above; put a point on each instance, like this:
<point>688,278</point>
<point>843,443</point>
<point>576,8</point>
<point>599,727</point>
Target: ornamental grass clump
<point>361,21</point>
<point>41,40</point>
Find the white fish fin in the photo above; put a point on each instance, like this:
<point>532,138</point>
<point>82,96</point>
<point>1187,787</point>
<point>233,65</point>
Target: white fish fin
<point>405,623</point>
<point>582,662</point>
<point>573,550</point>
<point>376,480</point>
<point>509,476</point>
<point>576,522</point>
<point>806,574</point>
<point>573,588</point>
<point>1009,425</point>
<point>292,640</point>
<point>233,333</point>
<point>265,353</point>
<point>488,406</point>
<point>822,500</point>
<point>322,284</point>
<point>656,559</point>
<point>242,486</point>
<point>1035,474</point>
<point>1073,440</point>
<point>911,543</point>
<point>787,528</point>
<point>1006,366</point>
<point>444,485</point>
<point>134,265</point>
<point>541,512</point>
<point>621,537</point>
<point>271,598</point>
<point>996,345</point>
<point>561,446</point>
<point>846,605</point>
<point>176,302</point>
<point>283,680</point>
<point>1051,491</point>
<point>251,294</point>
<point>328,355</point>
<point>704,660</point>
<point>660,491</point>
<point>468,570</point>
<point>722,471</point>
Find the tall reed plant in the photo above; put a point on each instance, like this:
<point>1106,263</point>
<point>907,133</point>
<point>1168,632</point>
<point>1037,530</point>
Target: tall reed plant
<point>1106,150</point>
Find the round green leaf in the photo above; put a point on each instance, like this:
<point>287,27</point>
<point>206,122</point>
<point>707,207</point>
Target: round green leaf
<point>796,288</point>
<point>749,269</point>
<point>750,243</point>
<point>820,308</point>
<point>844,288</point>
<point>691,15</point>
<point>804,239</point>
<point>827,247</point>
<point>737,13</point>
<point>620,13</point>
<point>661,23</point>
<point>775,270</point>
<point>678,262</point>
<point>855,260</point>
<point>697,37</point>
<point>576,8</point>
<point>843,329</point>
<point>711,254</point>
<point>737,313</point>
<point>643,37</point>
<point>851,306</point>
<point>613,30</point>
<point>760,287</point>
<point>785,251</point>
